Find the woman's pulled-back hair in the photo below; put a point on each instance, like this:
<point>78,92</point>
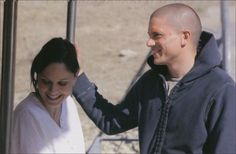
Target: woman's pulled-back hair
<point>57,50</point>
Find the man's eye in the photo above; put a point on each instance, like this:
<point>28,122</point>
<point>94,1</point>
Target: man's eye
<point>156,35</point>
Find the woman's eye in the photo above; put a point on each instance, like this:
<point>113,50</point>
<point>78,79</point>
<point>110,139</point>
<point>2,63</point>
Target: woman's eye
<point>46,82</point>
<point>62,83</point>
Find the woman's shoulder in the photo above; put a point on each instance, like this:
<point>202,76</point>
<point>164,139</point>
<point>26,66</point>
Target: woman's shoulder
<point>70,101</point>
<point>28,104</point>
<point>70,106</point>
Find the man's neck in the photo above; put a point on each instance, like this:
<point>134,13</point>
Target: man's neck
<point>182,67</point>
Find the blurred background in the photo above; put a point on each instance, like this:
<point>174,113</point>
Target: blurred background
<point>111,36</point>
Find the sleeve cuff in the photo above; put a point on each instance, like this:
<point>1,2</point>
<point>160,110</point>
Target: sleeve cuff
<point>82,85</point>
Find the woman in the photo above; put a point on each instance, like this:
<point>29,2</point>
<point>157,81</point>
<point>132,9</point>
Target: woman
<point>46,121</point>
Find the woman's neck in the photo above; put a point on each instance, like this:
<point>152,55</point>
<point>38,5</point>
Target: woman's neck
<point>54,112</point>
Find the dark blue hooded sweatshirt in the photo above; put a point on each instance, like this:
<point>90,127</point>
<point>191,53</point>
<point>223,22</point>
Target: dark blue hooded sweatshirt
<point>199,115</point>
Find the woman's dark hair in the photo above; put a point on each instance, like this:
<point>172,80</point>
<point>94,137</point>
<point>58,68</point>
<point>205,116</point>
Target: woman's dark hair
<point>57,50</point>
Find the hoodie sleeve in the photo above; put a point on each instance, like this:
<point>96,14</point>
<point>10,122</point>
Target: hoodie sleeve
<point>111,119</point>
<point>222,122</point>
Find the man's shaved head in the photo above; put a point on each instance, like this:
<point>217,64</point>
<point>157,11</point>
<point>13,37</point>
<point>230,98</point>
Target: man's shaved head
<point>181,17</point>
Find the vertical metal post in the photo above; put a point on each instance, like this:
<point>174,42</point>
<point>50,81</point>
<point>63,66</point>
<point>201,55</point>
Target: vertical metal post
<point>71,20</point>
<point>227,55</point>
<point>8,72</point>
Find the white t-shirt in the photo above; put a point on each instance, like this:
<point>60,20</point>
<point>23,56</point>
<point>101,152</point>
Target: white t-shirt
<point>34,131</point>
<point>171,82</point>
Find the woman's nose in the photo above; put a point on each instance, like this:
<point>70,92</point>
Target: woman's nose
<point>53,88</point>
<point>150,42</point>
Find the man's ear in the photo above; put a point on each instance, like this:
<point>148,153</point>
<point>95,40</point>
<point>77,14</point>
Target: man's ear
<point>185,37</point>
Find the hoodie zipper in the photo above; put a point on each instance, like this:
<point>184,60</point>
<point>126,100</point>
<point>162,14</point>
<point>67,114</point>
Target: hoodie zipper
<point>159,136</point>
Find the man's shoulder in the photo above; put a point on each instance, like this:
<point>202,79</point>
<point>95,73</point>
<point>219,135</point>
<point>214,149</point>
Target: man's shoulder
<point>221,76</point>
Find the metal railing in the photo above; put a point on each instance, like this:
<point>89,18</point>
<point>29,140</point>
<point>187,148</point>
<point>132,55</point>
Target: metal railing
<point>8,67</point>
<point>71,21</point>
<point>8,73</point>
<point>227,57</point>
<point>97,142</point>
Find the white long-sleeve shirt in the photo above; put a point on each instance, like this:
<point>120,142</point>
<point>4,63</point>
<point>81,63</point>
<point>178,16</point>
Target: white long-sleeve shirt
<point>34,131</point>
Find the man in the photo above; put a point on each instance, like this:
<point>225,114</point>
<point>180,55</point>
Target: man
<point>185,103</point>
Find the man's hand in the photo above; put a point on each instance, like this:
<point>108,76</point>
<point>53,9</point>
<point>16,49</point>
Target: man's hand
<point>78,54</point>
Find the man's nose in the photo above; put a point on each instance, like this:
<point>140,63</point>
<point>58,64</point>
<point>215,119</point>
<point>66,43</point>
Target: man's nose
<point>150,42</point>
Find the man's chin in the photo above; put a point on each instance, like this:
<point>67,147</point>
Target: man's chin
<point>157,62</point>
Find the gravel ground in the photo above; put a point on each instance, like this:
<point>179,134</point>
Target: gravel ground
<point>111,35</point>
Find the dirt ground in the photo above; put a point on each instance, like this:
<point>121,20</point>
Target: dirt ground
<point>112,37</point>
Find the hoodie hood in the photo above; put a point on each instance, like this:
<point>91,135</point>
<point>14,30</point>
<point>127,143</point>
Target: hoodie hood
<point>208,57</point>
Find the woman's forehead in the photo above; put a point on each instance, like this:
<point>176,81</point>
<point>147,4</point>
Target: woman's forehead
<point>56,70</point>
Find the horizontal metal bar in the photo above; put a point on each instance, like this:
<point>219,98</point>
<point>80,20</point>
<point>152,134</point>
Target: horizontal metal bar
<point>118,139</point>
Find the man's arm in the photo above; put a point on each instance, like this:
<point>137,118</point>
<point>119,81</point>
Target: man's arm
<point>221,122</point>
<point>110,118</point>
